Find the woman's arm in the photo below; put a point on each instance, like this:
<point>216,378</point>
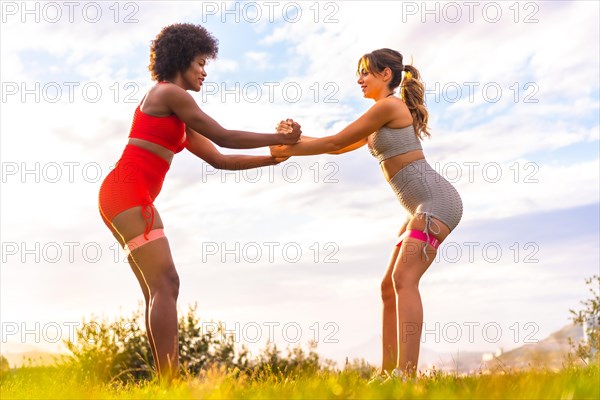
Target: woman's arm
<point>206,150</point>
<point>182,104</point>
<point>346,149</point>
<point>348,139</point>
<point>350,148</point>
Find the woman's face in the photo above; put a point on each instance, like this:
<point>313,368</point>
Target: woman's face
<point>195,74</point>
<point>372,84</point>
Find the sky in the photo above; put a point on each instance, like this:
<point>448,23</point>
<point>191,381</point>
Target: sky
<point>296,252</point>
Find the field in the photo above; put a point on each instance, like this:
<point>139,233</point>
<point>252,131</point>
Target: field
<point>59,383</point>
<point>107,363</point>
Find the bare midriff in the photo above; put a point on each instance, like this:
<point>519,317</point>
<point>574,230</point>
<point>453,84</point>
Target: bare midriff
<point>157,149</point>
<point>391,166</point>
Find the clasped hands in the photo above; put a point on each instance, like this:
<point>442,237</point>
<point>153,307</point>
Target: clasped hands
<point>287,127</point>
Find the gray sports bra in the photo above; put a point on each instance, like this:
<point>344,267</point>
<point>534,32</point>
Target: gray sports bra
<point>389,142</point>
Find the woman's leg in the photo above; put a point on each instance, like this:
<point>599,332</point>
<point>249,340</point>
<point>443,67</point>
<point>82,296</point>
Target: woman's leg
<point>389,337</point>
<point>411,264</point>
<point>146,291</point>
<point>143,286</point>
<point>153,265</point>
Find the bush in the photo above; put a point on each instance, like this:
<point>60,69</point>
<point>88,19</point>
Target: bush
<point>199,350</point>
<point>589,319</point>
<point>4,366</point>
<point>103,351</point>
<point>297,362</point>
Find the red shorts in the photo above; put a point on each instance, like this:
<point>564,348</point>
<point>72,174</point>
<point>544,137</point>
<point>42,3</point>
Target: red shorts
<point>135,181</point>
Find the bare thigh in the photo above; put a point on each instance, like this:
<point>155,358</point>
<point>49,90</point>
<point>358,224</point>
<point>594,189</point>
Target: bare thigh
<point>130,224</point>
<point>415,255</point>
<point>437,228</point>
<point>388,273</point>
<point>412,247</point>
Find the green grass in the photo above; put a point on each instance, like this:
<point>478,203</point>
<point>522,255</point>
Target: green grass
<point>61,383</point>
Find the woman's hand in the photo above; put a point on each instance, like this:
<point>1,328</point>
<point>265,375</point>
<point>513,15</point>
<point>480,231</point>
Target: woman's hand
<point>280,152</point>
<point>278,160</point>
<point>284,127</point>
<point>290,130</point>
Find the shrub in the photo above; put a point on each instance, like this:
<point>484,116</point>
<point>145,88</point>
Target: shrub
<point>589,319</point>
<point>103,351</point>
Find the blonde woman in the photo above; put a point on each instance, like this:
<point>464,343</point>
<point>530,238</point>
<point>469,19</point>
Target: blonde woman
<point>393,128</point>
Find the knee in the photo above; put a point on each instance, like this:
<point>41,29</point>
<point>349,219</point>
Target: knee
<point>387,290</point>
<point>166,283</point>
<point>404,281</point>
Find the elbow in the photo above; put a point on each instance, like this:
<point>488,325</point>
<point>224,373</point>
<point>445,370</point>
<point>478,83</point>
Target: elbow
<point>334,150</point>
<point>217,162</point>
<point>334,147</point>
<point>223,141</point>
<point>220,137</point>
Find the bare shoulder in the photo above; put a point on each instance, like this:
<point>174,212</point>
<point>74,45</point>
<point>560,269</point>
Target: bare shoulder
<point>397,102</point>
<point>159,97</point>
<point>171,91</point>
<point>168,91</point>
<point>165,97</point>
<point>399,112</point>
<point>390,106</point>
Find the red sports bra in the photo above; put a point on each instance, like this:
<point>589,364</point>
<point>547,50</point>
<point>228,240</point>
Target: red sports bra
<point>168,132</point>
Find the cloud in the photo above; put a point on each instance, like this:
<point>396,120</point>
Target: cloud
<point>258,60</point>
<point>339,206</point>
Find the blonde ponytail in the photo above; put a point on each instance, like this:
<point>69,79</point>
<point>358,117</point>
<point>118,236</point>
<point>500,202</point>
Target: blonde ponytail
<point>413,93</point>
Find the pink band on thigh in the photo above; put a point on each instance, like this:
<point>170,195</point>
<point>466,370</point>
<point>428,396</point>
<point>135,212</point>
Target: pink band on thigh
<point>419,236</point>
<point>140,240</point>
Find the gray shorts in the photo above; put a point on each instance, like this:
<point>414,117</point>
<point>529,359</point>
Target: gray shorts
<point>421,190</point>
